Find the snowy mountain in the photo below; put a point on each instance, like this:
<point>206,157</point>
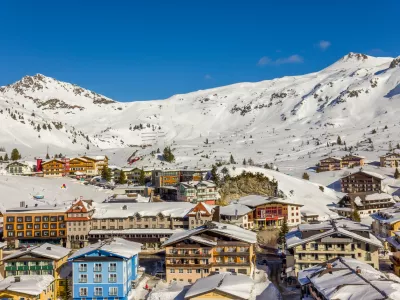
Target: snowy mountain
<point>286,121</point>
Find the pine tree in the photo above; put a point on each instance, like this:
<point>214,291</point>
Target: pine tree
<point>398,146</point>
<point>106,174</point>
<point>397,174</point>
<point>306,176</point>
<point>14,154</point>
<point>396,163</point>
<point>232,160</point>
<point>1,158</point>
<point>168,155</point>
<point>390,147</point>
<point>339,140</point>
<point>266,166</point>
<point>87,146</point>
<point>244,162</point>
<point>47,156</point>
<point>355,216</point>
<point>214,175</point>
<point>38,128</point>
<point>56,155</point>
<point>67,295</point>
<point>6,157</point>
<point>206,141</point>
<point>224,170</point>
<point>142,178</point>
<point>283,231</point>
<point>250,162</point>
<point>122,177</point>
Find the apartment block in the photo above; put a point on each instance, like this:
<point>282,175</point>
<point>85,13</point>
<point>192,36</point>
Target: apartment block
<point>198,191</point>
<point>385,223</point>
<point>389,160</point>
<point>106,269</point>
<point>312,244</point>
<point>364,203</point>
<point>78,219</point>
<point>211,248</point>
<point>34,225</point>
<point>362,182</point>
<point>237,214</point>
<point>330,164</point>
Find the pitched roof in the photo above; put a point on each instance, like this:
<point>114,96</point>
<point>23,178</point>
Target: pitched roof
<point>372,174</point>
<point>342,281</point>
<point>28,284</point>
<point>234,209</point>
<point>117,246</point>
<point>46,250</point>
<point>228,230</point>
<point>52,160</point>
<point>239,286</point>
<point>331,157</point>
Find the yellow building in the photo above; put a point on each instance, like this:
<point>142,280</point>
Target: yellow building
<point>35,225</point>
<point>394,244</point>
<point>28,287</point>
<point>213,247</point>
<point>83,165</point>
<point>313,244</point>
<point>386,223</point>
<point>54,168</point>
<point>100,161</point>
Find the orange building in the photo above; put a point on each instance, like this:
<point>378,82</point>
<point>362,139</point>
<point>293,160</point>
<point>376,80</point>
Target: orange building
<point>35,225</point>
<point>54,168</point>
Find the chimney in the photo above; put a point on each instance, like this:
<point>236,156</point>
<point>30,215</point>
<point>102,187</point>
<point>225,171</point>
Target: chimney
<point>358,270</point>
<point>329,265</point>
<point>17,279</point>
<point>48,248</point>
<point>22,204</point>
<point>36,205</point>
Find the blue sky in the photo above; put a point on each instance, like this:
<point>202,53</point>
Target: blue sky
<point>140,50</point>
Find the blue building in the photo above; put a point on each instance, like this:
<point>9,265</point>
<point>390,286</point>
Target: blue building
<point>105,269</point>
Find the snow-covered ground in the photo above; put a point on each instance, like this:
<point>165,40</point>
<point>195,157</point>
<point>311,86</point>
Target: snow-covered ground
<point>15,189</point>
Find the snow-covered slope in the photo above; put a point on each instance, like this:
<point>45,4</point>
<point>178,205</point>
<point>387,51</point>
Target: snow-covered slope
<point>315,197</point>
<point>287,120</point>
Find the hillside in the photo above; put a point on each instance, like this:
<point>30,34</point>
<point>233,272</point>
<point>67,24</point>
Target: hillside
<point>286,121</point>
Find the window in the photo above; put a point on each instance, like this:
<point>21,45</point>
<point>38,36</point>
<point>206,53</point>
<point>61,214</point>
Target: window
<point>45,226</point>
<point>189,271</point>
<point>180,270</point>
<point>198,271</point>
<point>113,291</point>
<point>83,292</point>
<point>82,267</point>
<point>98,291</point>
<point>206,271</point>
<point>45,219</point>
<point>112,267</point>
<point>97,267</point>
<point>172,270</point>
<point>28,219</point>
<point>37,226</point>
<point>98,278</point>
<point>112,278</point>
<point>29,226</point>
<point>82,278</point>
<point>37,219</point>
<point>10,219</point>
<point>20,219</point>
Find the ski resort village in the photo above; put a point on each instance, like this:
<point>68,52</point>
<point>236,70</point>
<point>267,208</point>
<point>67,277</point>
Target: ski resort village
<point>281,189</point>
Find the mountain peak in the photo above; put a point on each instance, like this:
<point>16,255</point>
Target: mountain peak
<point>355,56</point>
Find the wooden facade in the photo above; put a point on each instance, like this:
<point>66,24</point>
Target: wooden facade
<point>361,182</point>
<point>329,164</point>
<point>350,161</point>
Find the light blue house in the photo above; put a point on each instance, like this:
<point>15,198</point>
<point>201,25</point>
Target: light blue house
<point>105,269</point>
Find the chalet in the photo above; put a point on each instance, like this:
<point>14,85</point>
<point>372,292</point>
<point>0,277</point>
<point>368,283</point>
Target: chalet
<point>100,161</point>
<point>362,181</point>
<point>350,161</point>
<point>364,203</point>
<point>19,168</point>
<point>54,168</point>
<point>390,160</point>
<point>330,164</point>
<point>82,165</point>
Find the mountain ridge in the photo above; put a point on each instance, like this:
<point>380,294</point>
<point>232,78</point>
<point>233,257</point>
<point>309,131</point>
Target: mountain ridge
<point>357,90</point>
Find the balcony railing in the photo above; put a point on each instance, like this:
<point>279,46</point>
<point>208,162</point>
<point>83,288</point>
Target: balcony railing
<point>112,269</point>
<point>82,280</point>
<point>82,269</point>
<point>97,269</point>
<point>112,279</point>
<point>97,280</point>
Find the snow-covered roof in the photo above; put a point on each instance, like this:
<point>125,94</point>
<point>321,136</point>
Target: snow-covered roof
<point>325,229</point>
<point>175,291</point>
<point>46,250</point>
<point>137,231</point>
<point>37,209</point>
<point>2,245</point>
<point>27,284</point>
<point>96,157</point>
<point>373,174</point>
<point>117,246</point>
<point>149,209</point>
<point>331,157</point>
<point>343,281</point>
<point>236,285</point>
<point>195,184</point>
<point>234,209</point>
<point>387,216</point>
<point>229,230</point>
<point>253,200</point>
